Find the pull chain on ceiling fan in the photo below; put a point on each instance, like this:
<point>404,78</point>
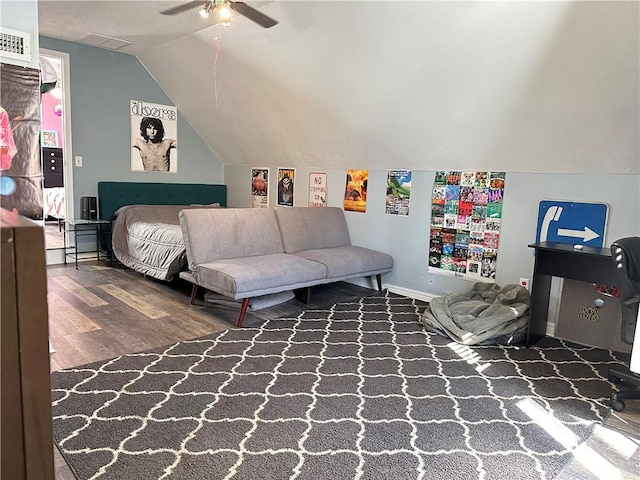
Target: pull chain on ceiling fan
<point>224,8</point>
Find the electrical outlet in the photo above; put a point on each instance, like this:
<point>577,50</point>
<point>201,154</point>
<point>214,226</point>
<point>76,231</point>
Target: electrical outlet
<point>525,283</point>
<point>78,161</point>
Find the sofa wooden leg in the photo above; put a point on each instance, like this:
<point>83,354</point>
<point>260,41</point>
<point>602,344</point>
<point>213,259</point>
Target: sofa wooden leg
<point>379,279</point>
<point>194,293</point>
<point>308,296</point>
<point>243,310</point>
<point>303,294</point>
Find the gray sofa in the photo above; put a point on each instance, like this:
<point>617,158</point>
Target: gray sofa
<point>243,253</point>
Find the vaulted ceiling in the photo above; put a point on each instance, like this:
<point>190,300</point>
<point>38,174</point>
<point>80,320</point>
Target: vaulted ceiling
<point>532,86</point>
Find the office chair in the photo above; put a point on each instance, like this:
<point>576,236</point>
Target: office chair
<point>625,253</point>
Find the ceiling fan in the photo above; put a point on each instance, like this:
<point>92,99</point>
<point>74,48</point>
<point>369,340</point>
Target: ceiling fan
<point>224,8</point>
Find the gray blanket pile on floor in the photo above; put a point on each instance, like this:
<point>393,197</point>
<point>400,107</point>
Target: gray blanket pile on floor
<point>485,315</point>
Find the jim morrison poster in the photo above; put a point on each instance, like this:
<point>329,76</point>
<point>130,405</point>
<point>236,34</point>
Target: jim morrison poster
<point>466,215</point>
<point>154,137</point>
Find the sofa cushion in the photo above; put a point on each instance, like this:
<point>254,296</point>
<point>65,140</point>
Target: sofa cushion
<point>349,261</point>
<point>310,228</point>
<point>216,233</point>
<point>259,275</point>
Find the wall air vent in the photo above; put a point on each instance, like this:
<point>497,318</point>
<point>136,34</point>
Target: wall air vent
<point>15,44</point>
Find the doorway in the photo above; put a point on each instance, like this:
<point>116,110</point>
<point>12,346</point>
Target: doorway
<point>56,147</point>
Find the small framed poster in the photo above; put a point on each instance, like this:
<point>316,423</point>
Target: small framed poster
<point>286,178</point>
<point>260,187</point>
<point>317,189</point>
<point>50,138</point>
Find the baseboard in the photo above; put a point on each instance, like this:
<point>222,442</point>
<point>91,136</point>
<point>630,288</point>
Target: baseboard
<point>551,329</point>
<point>55,256</point>
<point>407,292</point>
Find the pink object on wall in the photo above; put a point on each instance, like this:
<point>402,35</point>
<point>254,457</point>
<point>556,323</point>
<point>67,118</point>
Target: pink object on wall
<point>51,121</point>
<point>7,145</point>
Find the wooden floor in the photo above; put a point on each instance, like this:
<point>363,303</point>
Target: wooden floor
<point>98,312</point>
<point>53,236</point>
<point>101,311</point>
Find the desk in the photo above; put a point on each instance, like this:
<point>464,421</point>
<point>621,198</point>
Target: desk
<point>82,228</point>
<point>591,264</point>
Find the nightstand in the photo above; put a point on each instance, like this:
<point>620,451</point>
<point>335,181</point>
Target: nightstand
<point>80,228</point>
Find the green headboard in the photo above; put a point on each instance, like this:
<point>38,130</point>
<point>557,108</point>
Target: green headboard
<point>113,195</point>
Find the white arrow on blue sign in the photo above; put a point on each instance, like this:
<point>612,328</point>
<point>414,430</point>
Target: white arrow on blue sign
<point>572,222</point>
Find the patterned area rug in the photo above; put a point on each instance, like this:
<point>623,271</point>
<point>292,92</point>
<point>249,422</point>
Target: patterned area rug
<point>358,390</point>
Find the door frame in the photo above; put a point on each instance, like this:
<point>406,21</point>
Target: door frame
<point>67,163</point>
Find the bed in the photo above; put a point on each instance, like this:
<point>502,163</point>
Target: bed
<point>54,204</point>
<point>145,230</point>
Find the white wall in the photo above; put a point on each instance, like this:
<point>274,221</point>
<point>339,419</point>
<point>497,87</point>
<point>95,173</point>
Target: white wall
<point>508,86</point>
<point>407,238</point>
<point>22,16</point>
<point>545,91</point>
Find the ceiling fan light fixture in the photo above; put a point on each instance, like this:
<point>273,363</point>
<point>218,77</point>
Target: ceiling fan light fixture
<point>206,8</point>
<point>238,6</point>
<point>224,14</point>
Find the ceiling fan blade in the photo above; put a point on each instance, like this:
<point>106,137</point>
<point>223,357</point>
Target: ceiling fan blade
<point>183,8</point>
<point>253,14</point>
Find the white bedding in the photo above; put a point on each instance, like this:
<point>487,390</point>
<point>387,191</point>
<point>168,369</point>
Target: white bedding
<point>148,239</point>
<point>54,205</point>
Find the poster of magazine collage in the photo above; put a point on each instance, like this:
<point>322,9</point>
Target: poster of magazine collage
<point>466,212</point>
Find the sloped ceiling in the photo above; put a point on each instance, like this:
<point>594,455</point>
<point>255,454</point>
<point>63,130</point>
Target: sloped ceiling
<point>540,87</point>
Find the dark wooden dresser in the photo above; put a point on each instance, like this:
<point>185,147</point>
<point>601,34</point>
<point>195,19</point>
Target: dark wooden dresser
<point>52,167</point>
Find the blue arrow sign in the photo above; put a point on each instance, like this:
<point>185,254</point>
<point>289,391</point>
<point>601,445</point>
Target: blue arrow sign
<point>572,222</point>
